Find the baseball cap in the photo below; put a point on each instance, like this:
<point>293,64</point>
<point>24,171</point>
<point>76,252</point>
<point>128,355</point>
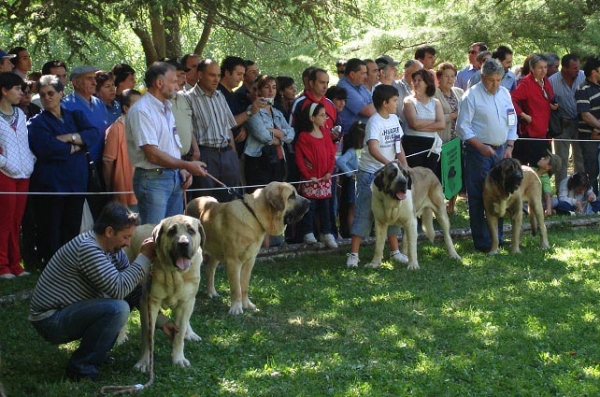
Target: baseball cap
<point>174,62</point>
<point>5,55</point>
<point>386,60</point>
<point>79,70</point>
<point>555,162</point>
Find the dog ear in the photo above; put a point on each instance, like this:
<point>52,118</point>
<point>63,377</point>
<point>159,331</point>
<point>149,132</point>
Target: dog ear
<point>157,233</point>
<point>378,181</point>
<point>406,172</point>
<point>497,175</point>
<point>202,233</point>
<point>275,197</point>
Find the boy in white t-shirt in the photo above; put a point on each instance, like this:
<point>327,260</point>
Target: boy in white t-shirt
<point>383,132</point>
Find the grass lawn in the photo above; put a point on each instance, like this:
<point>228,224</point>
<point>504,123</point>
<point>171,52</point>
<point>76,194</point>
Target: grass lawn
<point>524,325</point>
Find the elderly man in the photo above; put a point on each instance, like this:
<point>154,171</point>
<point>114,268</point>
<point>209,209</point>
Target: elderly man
<point>487,123</point>
<point>359,102</point>
<point>464,75</point>
<point>388,69</point>
<point>212,121</point>
<point>587,98</point>
<point>154,145</point>
<point>82,100</point>
<point>565,84</point>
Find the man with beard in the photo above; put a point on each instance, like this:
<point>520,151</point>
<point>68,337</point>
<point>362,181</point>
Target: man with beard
<point>153,145</point>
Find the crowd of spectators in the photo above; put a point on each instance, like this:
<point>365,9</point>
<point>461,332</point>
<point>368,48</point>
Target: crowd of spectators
<point>82,137</point>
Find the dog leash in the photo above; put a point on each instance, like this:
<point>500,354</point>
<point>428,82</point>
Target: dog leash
<point>119,390</point>
<point>235,193</point>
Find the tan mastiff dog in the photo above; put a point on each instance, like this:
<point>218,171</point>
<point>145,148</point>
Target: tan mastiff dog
<point>392,187</point>
<point>235,232</point>
<point>175,278</point>
<point>506,187</point>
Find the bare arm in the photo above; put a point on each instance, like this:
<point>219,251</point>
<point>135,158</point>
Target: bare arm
<point>373,146</point>
<point>590,120</point>
<point>108,171</point>
<point>368,110</point>
<point>157,156</point>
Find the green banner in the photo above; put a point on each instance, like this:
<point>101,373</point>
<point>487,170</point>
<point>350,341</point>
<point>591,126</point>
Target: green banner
<point>451,167</point>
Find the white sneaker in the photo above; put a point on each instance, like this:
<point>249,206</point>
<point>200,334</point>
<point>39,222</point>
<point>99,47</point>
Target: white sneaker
<point>310,239</point>
<point>352,261</point>
<point>329,240</point>
<point>7,276</point>
<point>399,257</point>
<point>24,274</point>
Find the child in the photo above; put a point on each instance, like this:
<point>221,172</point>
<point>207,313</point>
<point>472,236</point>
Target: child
<point>575,196</point>
<point>315,158</point>
<point>383,133</point>
<point>546,167</point>
<point>348,163</point>
<point>117,170</point>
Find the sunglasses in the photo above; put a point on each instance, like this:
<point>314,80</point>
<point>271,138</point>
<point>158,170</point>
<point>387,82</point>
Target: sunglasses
<point>473,52</point>
<point>50,94</point>
<point>342,71</point>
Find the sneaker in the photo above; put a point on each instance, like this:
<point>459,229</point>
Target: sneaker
<point>329,240</point>
<point>7,276</point>
<point>352,261</point>
<point>309,239</point>
<point>24,274</point>
<point>399,257</point>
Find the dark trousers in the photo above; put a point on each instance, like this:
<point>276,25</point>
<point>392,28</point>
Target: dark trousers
<point>589,151</point>
<point>416,144</point>
<point>261,171</point>
<point>530,152</point>
<point>319,208</point>
<point>223,165</point>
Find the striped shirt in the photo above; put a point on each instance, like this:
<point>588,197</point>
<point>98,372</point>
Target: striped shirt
<point>82,270</point>
<point>212,119</point>
<point>587,98</point>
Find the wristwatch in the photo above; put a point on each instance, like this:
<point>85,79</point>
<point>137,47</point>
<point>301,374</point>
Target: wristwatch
<point>73,138</point>
<point>249,113</point>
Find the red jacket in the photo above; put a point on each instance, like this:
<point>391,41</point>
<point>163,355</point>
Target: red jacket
<point>528,97</point>
<point>315,157</point>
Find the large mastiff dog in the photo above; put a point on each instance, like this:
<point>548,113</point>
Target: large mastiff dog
<point>235,232</point>
<point>506,187</point>
<point>399,197</point>
<point>175,278</point>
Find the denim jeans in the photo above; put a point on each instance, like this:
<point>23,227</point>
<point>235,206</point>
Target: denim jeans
<point>476,169</point>
<point>96,322</point>
<point>159,194</point>
<point>319,209</point>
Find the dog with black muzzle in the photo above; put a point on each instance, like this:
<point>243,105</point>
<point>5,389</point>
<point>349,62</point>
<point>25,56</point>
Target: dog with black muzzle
<point>506,187</point>
<point>175,278</point>
<point>392,185</point>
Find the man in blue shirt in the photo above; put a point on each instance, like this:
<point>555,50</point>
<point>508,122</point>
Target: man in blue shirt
<point>487,124</point>
<point>464,75</point>
<point>505,56</point>
<point>359,103</point>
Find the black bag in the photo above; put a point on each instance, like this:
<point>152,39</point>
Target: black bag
<point>554,126</point>
<point>270,152</point>
<point>95,183</point>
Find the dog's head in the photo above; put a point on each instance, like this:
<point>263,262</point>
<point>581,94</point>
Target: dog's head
<point>178,239</point>
<point>283,198</point>
<point>394,180</point>
<point>508,174</point>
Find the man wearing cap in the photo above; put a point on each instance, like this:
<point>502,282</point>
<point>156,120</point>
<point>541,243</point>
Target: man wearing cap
<point>182,111</point>
<point>464,75</point>
<point>487,124</point>
<point>5,63</point>
<point>388,70</point>
<point>82,100</point>
<point>154,145</point>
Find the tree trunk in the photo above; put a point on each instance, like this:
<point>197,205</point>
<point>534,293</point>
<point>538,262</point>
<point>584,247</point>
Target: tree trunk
<point>208,24</point>
<point>158,32</point>
<point>172,13</point>
<point>147,45</point>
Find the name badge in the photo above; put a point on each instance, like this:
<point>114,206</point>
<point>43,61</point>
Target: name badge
<point>512,117</point>
<point>176,136</point>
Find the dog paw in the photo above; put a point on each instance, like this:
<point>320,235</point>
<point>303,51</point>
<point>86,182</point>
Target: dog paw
<point>544,246</point>
<point>373,265</point>
<point>236,308</point>
<point>143,365</point>
<point>192,336</point>
<point>212,294</point>
<point>413,266</point>
<point>181,362</point>
<point>248,305</point>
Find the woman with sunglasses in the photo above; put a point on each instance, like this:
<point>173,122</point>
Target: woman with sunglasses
<point>59,139</point>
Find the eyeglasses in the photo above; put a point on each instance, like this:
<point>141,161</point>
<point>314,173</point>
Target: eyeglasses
<point>472,52</point>
<point>50,94</point>
<point>341,71</point>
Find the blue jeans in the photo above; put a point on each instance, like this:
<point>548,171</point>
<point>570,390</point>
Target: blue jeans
<point>476,169</point>
<point>159,194</point>
<point>96,322</point>
<point>319,209</point>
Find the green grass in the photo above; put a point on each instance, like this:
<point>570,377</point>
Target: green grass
<point>523,325</point>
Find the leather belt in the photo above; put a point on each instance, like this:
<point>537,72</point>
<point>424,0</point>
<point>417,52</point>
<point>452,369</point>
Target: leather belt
<point>495,147</point>
<point>218,149</point>
<point>568,122</point>
<point>153,170</point>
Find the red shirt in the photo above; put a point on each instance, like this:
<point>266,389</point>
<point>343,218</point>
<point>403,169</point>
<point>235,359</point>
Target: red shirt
<point>315,157</point>
<point>528,97</point>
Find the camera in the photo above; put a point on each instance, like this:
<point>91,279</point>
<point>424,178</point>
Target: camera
<point>268,101</point>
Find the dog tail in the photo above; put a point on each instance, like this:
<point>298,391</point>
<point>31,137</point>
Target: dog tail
<point>427,223</point>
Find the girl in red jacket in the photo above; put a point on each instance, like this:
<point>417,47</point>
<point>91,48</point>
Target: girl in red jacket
<point>315,158</point>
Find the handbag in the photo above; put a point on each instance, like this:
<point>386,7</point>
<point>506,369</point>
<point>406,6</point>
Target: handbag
<point>95,183</point>
<point>271,153</point>
<point>316,190</point>
<point>554,125</point>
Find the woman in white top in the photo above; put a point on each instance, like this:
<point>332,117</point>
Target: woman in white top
<point>424,118</point>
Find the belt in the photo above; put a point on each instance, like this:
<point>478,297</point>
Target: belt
<point>217,149</point>
<point>154,170</point>
<point>568,122</point>
<point>495,147</point>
